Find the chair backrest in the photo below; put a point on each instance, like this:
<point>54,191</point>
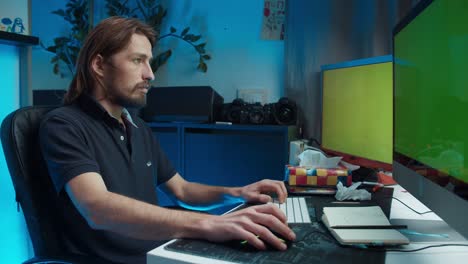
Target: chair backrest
<point>33,186</point>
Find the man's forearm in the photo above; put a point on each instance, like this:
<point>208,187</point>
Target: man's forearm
<point>141,220</point>
<point>195,193</point>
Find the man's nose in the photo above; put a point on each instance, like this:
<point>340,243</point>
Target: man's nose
<point>148,73</point>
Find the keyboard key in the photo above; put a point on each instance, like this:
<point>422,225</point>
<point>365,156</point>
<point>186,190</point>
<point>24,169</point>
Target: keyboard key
<point>295,209</point>
<point>305,211</point>
<point>290,210</point>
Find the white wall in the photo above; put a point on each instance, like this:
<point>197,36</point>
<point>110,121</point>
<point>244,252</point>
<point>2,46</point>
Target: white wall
<point>240,59</point>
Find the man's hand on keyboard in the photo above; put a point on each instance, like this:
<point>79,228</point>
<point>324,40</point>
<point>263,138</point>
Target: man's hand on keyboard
<point>254,224</point>
<point>258,192</point>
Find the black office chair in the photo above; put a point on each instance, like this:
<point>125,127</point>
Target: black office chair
<point>34,189</point>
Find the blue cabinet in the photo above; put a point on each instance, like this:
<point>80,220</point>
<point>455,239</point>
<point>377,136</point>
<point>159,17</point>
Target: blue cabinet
<point>225,155</point>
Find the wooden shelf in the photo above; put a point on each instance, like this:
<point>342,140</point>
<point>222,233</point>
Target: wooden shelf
<point>14,39</point>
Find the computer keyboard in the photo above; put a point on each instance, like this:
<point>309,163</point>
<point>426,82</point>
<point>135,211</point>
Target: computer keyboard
<point>295,208</point>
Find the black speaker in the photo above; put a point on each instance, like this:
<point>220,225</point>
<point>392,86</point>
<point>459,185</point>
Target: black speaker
<point>198,104</point>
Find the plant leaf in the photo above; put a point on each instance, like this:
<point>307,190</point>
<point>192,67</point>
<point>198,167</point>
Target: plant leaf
<point>160,59</point>
<point>191,37</point>
<point>200,48</point>
<point>195,38</point>
<point>56,68</point>
<point>185,31</point>
<point>52,49</point>
<point>59,12</point>
<point>202,67</point>
<point>60,41</point>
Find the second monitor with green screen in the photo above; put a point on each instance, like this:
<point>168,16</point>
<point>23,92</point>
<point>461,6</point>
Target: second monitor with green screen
<point>357,111</point>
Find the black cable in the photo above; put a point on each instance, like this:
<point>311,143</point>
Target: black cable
<point>431,246</point>
<point>411,208</point>
<point>410,250</point>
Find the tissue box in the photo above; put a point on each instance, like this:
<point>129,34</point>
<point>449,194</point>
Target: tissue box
<point>301,176</point>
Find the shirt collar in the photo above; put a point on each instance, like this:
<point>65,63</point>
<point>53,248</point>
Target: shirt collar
<point>126,115</point>
<point>94,108</point>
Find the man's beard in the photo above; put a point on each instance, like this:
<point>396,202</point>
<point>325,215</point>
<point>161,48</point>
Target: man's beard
<point>126,101</point>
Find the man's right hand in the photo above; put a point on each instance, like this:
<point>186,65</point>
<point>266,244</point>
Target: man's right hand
<point>254,224</point>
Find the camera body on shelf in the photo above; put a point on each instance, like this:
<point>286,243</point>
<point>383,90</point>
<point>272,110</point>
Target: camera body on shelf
<point>283,112</point>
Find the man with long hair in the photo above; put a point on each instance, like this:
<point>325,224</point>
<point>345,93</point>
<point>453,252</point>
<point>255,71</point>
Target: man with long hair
<point>105,162</point>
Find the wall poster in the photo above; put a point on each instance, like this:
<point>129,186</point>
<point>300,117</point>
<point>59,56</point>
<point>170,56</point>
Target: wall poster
<point>273,19</point>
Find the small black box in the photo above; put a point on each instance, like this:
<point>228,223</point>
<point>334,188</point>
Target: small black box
<point>197,104</point>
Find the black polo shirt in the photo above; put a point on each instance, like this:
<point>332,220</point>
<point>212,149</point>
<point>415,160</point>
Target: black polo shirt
<point>84,137</point>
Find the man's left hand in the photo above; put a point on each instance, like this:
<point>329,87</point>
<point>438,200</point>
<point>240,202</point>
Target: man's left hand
<point>258,192</point>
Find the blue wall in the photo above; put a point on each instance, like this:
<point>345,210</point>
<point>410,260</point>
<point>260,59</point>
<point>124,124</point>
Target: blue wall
<point>14,241</point>
<point>46,26</point>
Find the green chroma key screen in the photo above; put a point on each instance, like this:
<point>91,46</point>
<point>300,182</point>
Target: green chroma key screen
<point>431,88</point>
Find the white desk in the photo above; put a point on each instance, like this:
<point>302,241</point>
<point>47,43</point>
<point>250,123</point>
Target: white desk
<point>447,255</point>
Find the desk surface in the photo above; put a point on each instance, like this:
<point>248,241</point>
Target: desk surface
<point>321,253</point>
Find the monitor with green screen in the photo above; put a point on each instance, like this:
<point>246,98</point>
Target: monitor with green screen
<point>357,111</point>
<point>431,107</point>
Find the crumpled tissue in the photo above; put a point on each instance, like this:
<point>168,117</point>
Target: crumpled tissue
<point>315,159</point>
<point>351,193</point>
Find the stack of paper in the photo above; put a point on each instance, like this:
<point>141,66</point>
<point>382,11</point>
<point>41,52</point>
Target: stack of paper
<point>362,225</point>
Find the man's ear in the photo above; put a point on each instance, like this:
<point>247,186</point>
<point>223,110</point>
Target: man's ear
<point>98,65</point>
